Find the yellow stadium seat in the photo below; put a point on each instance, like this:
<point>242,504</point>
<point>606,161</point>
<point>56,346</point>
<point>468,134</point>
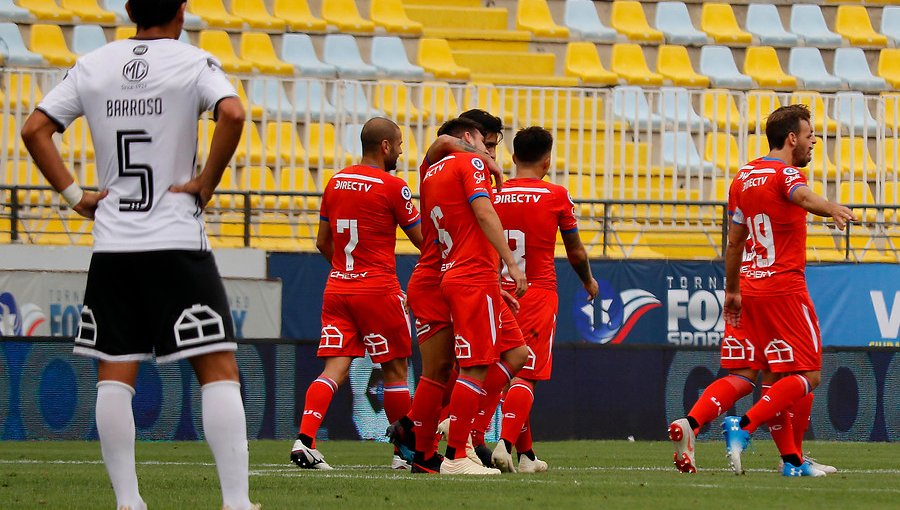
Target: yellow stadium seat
<point>22,92</point>
<point>255,14</point>
<point>761,63</point>
<point>892,159</point>
<point>628,62</point>
<point>282,140</point>
<point>487,97</point>
<point>255,111</point>
<point>411,154</point>
<point>77,141</point>
<point>760,103</point>
<point>889,66</point>
<point>24,173</point>
<point>757,146</point>
<point>583,62</point>
<point>720,107</point>
<point>436,58</point>
<point>853,158</point>
<point>297,180</point>
<point>256,47</point>
<point>259,178</point>
<point>225,196</point>
<point>345,16</point>
<point>853,23</point>
<point>674,64</point>
<point>10,131</point>
<point>47,10</point>
<point>392,97</point>
<point>859,194</point>
<point>89,170</point>
<point>325,156</point>
<point>821,166</point>
<point>298,16</point>
<point>391,15</point>
<point>214,14</point>
<point>218,43</point>
<point>682,245</point>
<point>48,41</point>
<point>822,124</point>
<point>472,22</point>
<point>88,11</point>
<point>225,230</point>
<point>126,32</point>
<point>718,21</point>
<point>534,16</point>
<point>438,101</point>
<point>250,148</point>
<point>513,67</point>
<point>273,232</point>
<point>628,18</point>
<point>892,111</point>
<point>722,149</point>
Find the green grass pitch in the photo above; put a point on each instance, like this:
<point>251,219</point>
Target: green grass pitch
<point>583,474</point>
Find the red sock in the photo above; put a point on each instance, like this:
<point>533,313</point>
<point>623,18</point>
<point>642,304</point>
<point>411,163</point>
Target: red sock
<point>318,398</point>
<point>516,409</point>
<point>396,400</point>
<point>719,397</point>
<point>523,444</point>
<point>426,406</point>
<point>781,395</point>
<point>800,412</point>
<point>463,406</point>
<point>781,429</point>
<point>498,376</point>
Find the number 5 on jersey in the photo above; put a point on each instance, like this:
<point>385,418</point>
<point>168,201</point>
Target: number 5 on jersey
<point>124,140</point>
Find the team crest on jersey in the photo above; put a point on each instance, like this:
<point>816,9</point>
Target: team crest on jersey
<point>136,70</point>
<point>613,314</point>
<point>140,49</point>
<point>478,164</point>
<point>791,171</point>
<point>406,193</point>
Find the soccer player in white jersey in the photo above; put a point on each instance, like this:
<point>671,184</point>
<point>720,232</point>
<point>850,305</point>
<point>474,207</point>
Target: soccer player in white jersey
<point>153,287</point>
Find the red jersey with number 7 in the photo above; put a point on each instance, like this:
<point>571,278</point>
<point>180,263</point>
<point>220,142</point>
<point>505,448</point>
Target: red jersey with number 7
<point>760,198</point>
<point>448,188</point>
<point>363,206</point>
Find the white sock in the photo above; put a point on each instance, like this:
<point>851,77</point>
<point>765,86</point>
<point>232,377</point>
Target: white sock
<point>225,427</point>
<point>115,426</point>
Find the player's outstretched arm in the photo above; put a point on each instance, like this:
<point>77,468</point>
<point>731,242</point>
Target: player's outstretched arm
<point>446,145</point>
<point>734,254</point>
<point>324,241</point>
<point>229,123</point>
<point>490,224</point>
<point>578,259</point>
<point>807,199</point>
<point>37,134</point>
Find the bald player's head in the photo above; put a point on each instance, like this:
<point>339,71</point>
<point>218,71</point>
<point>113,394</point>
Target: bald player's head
<point>381,142</point>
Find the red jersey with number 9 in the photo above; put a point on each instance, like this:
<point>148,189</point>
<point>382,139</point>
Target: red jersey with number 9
<point>363,206</point>
<point>760,198</point>
<point>448,188</point>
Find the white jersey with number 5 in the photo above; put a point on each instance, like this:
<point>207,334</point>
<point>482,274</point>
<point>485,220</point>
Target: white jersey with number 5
<point>142,99</point>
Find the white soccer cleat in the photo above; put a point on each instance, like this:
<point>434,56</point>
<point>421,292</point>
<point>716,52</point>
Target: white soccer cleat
<point>254,506</point>
<point>825,468</point>
<point>307,458</point>
<point>465,466</point>
<point>444,429</point>
<point>139,506</point>
<point>502,459</point>
<point>399,463</point>
<point>682,436</point>
<point>527,465</point>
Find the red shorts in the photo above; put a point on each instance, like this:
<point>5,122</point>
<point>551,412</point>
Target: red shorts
<point>738,350</point>
<point>510,335</point>
<point>476,322</point>
<point>537,319</point>
<point>356,324</point>
<point>428,307</point>
<point>785,331</point>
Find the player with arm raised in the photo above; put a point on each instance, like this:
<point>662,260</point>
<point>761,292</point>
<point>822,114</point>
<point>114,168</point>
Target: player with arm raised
<point>363,309</point>
<point>153,288</point>
<point>768,201</point>
<point>532,211</point>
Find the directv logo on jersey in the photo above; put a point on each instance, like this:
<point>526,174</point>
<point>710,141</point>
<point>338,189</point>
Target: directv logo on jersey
<point>352,186</point>
<point>516,199</point>
<point>695,310</point>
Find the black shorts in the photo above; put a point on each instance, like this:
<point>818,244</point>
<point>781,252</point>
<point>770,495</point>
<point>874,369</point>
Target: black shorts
<point>170,304</point>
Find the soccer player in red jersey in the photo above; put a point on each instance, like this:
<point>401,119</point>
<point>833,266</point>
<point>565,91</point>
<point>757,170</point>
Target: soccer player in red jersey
<point>364,309</point>
<point>768,201</point>
<point>457,199</point>
<point>532,211</point>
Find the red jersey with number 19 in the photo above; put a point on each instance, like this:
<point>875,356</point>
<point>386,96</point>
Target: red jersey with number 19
<point>363,206</point>
<point>760,197</point>
<point>448,188</point>
<point>531,211</point>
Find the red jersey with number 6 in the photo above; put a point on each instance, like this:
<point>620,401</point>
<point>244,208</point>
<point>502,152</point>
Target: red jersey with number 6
<point>760,198</point>
<point>532,210</point>
<point>448,188</point>
<point>363,206</point>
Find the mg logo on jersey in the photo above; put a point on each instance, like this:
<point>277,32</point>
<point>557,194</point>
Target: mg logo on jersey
<point>376,345</point>
<point>463,348</point>
<point>613,314</point>
<point>331,337</point>
<point>136,70</point>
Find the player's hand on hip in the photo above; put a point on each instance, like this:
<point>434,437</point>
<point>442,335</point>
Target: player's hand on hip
<point>592,289</point>
<point>842,215</point>
<point>511,302</point>
<point>194,187</point>
<point>732,309</point>
<point>89,201</point>
<point>518,276</point>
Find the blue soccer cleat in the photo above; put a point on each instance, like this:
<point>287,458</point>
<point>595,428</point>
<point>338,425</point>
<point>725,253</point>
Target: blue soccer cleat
<point>805,469</point>
<point>736,441</point>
